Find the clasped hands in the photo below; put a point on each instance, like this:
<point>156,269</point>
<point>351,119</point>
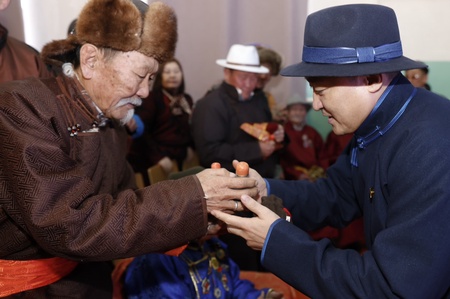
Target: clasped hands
<point>221,189</point>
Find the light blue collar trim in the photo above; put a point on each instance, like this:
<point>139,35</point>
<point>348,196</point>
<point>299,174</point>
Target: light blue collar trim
<point>363,142</point>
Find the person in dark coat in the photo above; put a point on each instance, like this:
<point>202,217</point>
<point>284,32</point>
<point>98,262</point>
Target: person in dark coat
<point>395,171</point>
<point>218,137</point>
<point>218,116</point>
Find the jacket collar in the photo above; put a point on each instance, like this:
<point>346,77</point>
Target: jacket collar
<point>388,110</point>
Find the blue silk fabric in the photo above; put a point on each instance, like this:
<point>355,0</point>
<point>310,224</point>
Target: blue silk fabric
<point>201,271</point>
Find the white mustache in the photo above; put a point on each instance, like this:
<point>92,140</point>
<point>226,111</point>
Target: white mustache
<point>136,101</point>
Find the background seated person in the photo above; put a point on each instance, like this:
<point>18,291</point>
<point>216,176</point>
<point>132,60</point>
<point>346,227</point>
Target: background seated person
<point>301,157</point>
<point>163,133</point>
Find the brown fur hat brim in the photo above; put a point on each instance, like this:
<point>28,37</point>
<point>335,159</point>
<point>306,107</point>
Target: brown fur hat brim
<point>115,24</point>
<point>119,25</point>
<point>59,51</point>
<point>159,37</point>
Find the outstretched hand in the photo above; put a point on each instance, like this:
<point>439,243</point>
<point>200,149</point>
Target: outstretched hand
<point>260,183</point>
<point>254,230</point>
<point>221,188</point>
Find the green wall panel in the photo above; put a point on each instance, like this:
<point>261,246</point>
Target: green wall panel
<point>439,77</point>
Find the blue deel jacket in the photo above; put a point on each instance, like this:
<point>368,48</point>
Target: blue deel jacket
<point>396,173</point>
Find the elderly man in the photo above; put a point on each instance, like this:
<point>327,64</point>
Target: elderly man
<point>67,198</point>
<point>395,172</point>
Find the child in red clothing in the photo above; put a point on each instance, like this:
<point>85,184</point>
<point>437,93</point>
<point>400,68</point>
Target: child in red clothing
<point>301,157</point>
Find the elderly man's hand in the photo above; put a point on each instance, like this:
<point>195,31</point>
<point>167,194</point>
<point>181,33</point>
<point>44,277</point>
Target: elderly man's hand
<point>223,189</point>
<point>261,184</point>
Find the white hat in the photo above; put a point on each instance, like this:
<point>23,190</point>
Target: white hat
<point>297,99</point>
<point>243,58</point>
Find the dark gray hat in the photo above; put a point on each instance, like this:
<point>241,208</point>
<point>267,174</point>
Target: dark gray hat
<point>351,40</point>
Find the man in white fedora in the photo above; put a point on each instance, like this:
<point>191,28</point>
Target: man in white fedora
<point>217,118</point>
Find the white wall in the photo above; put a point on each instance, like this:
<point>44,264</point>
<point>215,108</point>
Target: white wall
<point>46,20</point>
<point>206,31</point>
<point>38,22</point>
<point>208,27</point>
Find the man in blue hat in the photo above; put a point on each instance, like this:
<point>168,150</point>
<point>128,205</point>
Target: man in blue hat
<point>395,171</point>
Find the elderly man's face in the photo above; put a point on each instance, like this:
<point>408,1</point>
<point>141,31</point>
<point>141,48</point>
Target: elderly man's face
<point>121,82</point>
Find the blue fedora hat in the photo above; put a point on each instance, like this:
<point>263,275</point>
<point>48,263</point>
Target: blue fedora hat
<point>351,40</point>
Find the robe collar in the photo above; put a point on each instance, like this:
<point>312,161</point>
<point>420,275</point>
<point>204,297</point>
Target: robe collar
<point>388,110</point>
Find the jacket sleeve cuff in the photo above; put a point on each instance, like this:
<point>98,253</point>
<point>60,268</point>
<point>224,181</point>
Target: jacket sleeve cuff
<point>268,237</point>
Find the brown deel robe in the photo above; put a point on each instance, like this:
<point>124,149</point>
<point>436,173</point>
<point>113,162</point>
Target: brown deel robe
<point>73,197</point>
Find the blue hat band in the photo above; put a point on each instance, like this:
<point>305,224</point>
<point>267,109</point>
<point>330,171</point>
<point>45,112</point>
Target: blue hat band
<point>342,55</point>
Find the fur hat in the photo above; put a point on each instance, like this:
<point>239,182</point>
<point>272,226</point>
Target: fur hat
<point>271,58</point>
<point>122,25</point>
<point>351,40</point>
